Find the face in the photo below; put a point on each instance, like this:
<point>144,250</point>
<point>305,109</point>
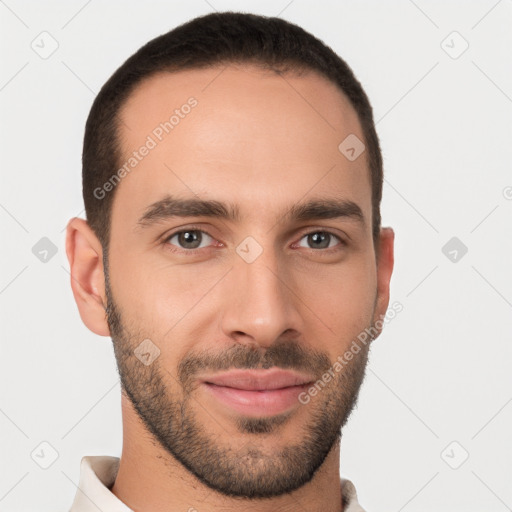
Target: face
<point>241,314</point>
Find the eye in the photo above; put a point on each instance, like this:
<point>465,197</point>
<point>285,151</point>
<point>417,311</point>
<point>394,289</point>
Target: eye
<point>322,239</point>
<point>193,239</point>
<point>189,239</point>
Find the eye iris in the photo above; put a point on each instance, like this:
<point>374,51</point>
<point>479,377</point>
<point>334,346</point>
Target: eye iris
<point>321,237</point>
<point>190,237</point>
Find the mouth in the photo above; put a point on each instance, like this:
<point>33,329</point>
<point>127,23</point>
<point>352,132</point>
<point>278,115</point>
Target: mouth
<point>257,393</point>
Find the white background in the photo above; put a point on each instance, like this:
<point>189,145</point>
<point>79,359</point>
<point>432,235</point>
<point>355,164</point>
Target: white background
<point>439,373</point>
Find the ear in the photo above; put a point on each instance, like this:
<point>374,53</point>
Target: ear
<point>85,256</point>
<point>385,262</point>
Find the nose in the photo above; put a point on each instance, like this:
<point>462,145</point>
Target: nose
<point>261,305</point>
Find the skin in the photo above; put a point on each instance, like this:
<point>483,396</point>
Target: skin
<point>265,142</point>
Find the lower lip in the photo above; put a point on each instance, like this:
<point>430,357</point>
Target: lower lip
<point>257,403</point>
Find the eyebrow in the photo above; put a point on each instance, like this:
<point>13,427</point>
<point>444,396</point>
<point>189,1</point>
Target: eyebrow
<point>171,207</point>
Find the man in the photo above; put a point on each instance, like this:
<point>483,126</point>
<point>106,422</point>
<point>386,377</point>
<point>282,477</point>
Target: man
<point>232,180</point>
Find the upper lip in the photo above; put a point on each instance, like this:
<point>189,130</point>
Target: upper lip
<point>258,380</point>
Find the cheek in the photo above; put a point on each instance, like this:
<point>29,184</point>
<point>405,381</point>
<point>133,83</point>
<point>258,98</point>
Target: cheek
<point>158,298</point>
<point>341,300</point>
<point>171,302</point>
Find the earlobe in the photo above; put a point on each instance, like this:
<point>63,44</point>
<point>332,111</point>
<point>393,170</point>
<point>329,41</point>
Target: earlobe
<point>85,256</point>
<point>385,263</point>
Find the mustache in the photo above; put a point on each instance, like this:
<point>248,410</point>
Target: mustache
<point>286,355</point>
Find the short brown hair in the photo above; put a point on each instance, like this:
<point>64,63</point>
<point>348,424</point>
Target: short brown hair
<point>205,41</point>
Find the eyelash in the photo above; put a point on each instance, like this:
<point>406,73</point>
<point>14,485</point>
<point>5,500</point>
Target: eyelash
<point>178,250</point>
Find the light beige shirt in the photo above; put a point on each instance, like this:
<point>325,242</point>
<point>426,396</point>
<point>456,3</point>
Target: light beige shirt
<point>98,473</point>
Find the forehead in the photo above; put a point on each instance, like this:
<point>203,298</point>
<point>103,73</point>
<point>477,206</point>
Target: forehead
<point>238,131</point>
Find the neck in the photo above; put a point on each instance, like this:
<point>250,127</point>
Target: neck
<point>150,479</point>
